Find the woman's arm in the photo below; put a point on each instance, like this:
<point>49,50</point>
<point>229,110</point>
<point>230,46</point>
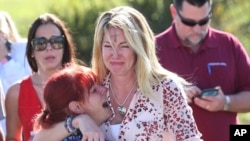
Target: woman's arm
<point>177,105</point>
<point>13,124</point>
<point>58,132</point>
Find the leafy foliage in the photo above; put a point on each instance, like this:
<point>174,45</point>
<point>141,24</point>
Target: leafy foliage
<point>81,16</point>
<point>228,15</point>
<point>233,16</point>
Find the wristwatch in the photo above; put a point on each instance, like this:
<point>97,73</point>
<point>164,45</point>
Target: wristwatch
<point>227,104</point>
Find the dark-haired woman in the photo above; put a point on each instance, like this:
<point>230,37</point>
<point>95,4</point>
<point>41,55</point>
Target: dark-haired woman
<point>49,48</point>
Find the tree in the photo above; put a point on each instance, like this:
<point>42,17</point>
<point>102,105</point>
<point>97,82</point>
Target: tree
<point>233,16</point>
<point>228,15</point>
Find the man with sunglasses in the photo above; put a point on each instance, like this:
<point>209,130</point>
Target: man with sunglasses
<point>209,59</point>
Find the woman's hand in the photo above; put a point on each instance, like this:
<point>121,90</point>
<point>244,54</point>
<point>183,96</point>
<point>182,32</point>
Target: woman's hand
<point>89,129</point>
<point>192,92</point>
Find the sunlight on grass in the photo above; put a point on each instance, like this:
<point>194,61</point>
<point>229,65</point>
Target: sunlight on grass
<point>244,118</point>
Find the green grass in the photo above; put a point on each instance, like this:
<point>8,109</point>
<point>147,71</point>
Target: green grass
<point>244,118</point>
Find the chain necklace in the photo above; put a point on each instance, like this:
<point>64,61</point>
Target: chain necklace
<point>121,108</point>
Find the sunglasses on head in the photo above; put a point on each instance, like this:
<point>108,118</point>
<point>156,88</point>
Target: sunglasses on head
<point>40,44</point>
<point>189,22</point>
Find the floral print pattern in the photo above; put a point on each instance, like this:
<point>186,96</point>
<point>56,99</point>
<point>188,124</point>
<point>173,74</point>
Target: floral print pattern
<point>148,118</point>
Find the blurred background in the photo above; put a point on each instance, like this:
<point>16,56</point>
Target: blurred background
<point>80,15</point>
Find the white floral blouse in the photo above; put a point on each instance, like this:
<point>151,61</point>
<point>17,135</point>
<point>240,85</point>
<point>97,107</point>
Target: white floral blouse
<point>147,118</point>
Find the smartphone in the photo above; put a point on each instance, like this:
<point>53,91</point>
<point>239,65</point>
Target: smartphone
<point>209,92</point>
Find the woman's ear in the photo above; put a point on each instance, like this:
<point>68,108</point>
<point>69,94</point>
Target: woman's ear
<point>75,107</point>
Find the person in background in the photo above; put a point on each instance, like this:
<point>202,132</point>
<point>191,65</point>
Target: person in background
<point>147,101</point>
<point>208,58</point>
<point>18,44</point>
<point>9,35</point>
<point>8,65</point>
<point>49,48</point>
<point>2,111</point>
<point>70,92</point>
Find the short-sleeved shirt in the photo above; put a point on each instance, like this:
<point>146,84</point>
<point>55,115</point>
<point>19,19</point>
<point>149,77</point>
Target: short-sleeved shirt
<point>10,72</point>
<point>221,60</point>
<point>18,50</point>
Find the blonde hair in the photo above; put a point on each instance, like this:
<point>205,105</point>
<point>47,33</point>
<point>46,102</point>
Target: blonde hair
<point>8,27</point>
<point>140,38</point>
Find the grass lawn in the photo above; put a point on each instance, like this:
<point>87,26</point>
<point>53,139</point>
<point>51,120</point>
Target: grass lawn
<point>244,118</point>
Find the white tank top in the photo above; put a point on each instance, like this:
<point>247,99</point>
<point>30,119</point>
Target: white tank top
<point>115,130</point>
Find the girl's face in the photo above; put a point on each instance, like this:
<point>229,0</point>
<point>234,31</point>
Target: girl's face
<point>96,106</point>
<point>50,58</point>
<point>118,56</point>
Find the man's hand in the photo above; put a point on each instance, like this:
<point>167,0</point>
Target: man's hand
<point>212,103</point>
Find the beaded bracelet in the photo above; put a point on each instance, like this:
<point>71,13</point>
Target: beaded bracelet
<point>68,124</point>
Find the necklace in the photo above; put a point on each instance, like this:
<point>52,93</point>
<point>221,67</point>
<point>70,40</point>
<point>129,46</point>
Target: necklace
<point>121,108</point>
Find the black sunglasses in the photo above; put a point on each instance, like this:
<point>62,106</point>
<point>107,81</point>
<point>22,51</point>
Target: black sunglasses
<point>189,22</point>
<point>40,44</point>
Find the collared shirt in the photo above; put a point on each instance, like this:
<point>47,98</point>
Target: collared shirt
<point>148,118</point>
<point>221,60</point>
<point>18,50</point>
<point>10,72</point>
